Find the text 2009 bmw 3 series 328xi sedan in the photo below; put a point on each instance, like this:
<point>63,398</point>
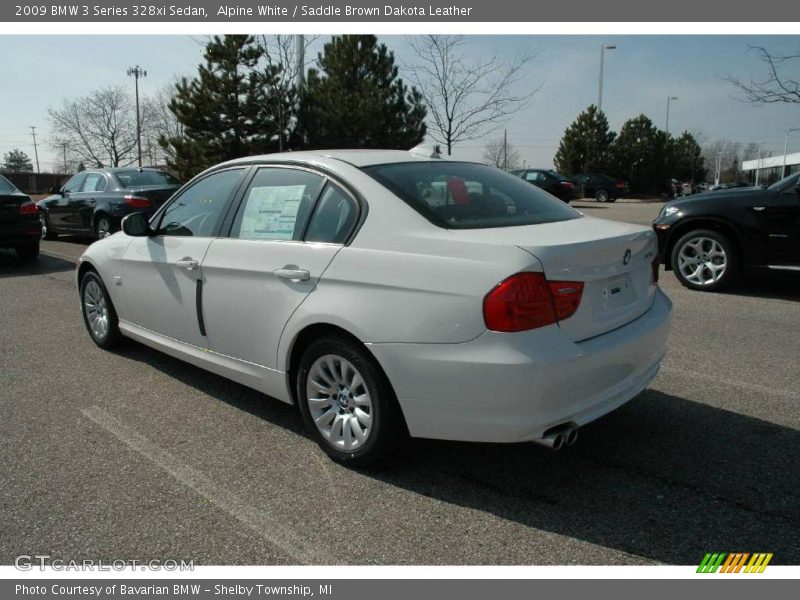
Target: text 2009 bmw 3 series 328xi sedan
<point>387,293</point>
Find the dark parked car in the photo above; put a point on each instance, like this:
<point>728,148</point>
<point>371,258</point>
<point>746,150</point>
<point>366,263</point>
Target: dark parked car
<point>93,202</point>
<point>550,181</point>
<point>602,188</point>
<point>709,239</point>
<point>19,222</point>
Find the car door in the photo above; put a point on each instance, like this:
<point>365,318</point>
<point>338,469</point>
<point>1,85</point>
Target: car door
<point>162,273</point>
<point>780,216</point>
<point>256,278</point>
<point>83,203</point>
<point>60,211</point>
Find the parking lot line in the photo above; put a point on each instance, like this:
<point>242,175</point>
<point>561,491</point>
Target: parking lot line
<point>298,549</point>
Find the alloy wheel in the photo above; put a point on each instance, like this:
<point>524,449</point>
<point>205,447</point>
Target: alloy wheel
<point>96,309</point>
<point>339,402</point>
<point>43,225</point>
<point>103,228</point>
<point>702,261</point>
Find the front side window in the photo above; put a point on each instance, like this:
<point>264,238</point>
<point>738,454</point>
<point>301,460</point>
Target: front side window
<point>469,196</point>
<point>197,211</point>
<point>276,204</point>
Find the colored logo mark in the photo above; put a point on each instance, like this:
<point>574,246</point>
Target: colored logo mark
<point>734,562</point>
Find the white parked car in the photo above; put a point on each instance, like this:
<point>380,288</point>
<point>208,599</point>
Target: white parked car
<point>387,294</point>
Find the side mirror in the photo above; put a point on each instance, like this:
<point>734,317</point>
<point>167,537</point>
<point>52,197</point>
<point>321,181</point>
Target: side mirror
<point>136,225</point>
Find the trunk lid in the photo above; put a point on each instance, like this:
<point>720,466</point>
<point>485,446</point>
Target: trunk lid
<point>155,193</point>
<point>9,206</point>
<point>612,259</point>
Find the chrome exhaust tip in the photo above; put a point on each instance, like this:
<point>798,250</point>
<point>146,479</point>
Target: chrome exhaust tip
<point>571,436</point>
<point>554,441</point>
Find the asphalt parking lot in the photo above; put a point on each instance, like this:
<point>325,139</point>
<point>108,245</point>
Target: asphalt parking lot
<point>135,455</point>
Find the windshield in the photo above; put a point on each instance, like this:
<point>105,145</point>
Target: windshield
<point>470,196</point>
<point>6,187</point>
<point>785,182</point>
<point>136,178</point>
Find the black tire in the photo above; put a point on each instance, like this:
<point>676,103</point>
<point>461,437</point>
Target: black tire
<point>112,336</point>
<point>387,429</point>
<point>602,196</point>
<point>28,251</point>
<point>730,258</point>
<point>47,232</point>
<point>102,227</point>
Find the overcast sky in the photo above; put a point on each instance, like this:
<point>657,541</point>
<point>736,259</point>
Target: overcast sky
<point>39,71</point>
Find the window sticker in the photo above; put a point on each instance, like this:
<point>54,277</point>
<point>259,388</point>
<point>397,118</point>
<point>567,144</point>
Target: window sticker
<point>271,212</point>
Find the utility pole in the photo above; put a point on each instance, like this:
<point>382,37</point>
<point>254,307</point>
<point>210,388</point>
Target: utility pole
<point>718,170</point>
<point>35,147</point>
<point>505,149</point>
<point>669,99</point>
<point>786,148</point>
<point>137,72</point>
<point>603,48</point>
<point>300,64</point>
<point>64,154</point>
<point>758,162</point>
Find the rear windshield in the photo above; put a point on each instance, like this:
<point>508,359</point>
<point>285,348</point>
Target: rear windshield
<point>136,178</point>
<point>6,187</point>
<point>470,196</point>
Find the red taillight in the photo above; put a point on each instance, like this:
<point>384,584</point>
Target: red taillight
<point>569,185</point>
<point>528,300</point>
<point>137,202</point>
<point>27,208</point>
<point>620,185</point>
<point>566,297</point>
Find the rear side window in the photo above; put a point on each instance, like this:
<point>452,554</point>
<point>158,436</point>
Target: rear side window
<point>333,218</point>
<point>470,196</point>
<point>276,204</point>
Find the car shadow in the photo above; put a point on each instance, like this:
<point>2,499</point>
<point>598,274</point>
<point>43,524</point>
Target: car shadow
<point>663,477</point>
<point>780,286</point>
<point>11,266</point>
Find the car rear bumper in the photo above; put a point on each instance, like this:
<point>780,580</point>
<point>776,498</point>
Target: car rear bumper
<point>19,233</point>
<point>514,387</point>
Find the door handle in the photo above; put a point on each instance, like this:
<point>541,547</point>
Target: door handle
<point>188,263</point>
<point>293,274</point>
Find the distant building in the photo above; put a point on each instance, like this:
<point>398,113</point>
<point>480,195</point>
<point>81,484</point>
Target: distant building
<point>770,168</point>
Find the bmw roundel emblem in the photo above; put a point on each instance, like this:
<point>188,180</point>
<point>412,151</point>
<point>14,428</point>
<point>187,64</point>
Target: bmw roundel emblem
<point>627,258</point>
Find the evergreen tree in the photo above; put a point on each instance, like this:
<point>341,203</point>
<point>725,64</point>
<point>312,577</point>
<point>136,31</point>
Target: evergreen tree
<point>231,109</point>
<point>686,158</point>
<point>356,99</point>
<point>16,161</point>
<point>639,155</point>
<point>586,145</point>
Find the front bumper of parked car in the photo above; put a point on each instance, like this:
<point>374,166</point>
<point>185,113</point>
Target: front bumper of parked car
<point>514,387</point>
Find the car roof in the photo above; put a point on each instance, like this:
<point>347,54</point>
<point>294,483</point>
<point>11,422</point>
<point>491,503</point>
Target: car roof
<point>356,158</point>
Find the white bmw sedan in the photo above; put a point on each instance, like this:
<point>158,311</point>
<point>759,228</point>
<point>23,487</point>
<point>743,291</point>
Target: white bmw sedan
<point>387,294</point>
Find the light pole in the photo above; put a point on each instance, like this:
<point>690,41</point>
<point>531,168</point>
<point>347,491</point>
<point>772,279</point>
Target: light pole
<point>137,72</point>
<point>603,48</point>
<point>669,99</point>
<point>35,147</point>
<point>758,161</point>
<point>786,147</point>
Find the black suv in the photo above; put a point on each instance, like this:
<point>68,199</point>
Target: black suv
<point>709,239</point>
<point>602,188</point>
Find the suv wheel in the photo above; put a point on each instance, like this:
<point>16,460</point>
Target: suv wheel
<point>704,260</point>
<point>47,233</point>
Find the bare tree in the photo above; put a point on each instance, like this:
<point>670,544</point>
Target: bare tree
<point>159,121</point>
<point>501,154</point>
<point>776,86</point>
<point>466,99</point>
<point>98,129</point>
